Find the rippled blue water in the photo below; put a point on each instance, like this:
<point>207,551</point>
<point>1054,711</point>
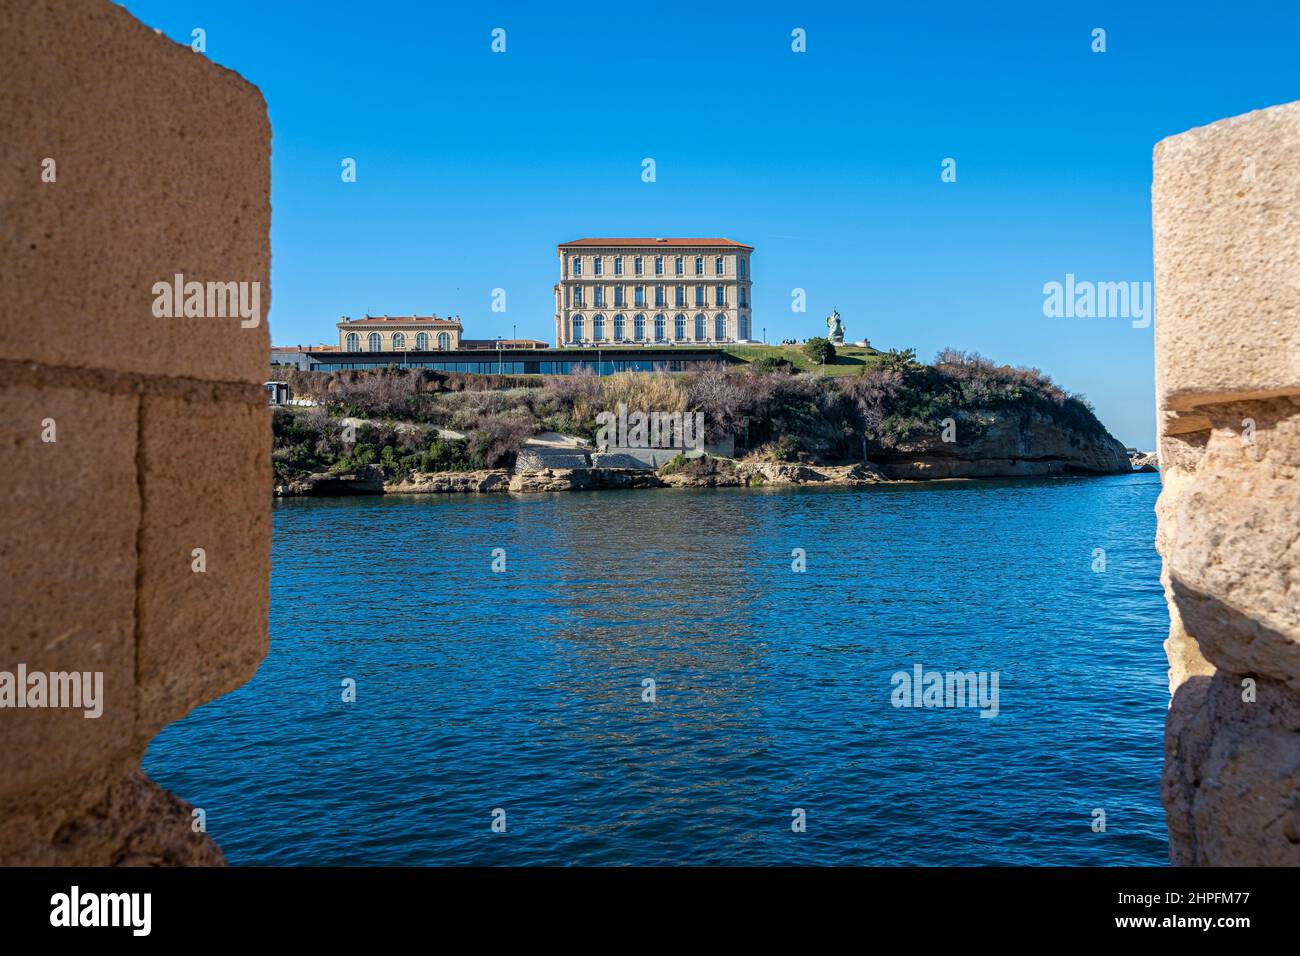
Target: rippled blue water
<point>523,690</point>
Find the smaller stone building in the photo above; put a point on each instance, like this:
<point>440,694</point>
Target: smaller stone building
<point>399,333</point>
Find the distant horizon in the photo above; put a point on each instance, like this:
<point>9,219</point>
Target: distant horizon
<point>927,183</point>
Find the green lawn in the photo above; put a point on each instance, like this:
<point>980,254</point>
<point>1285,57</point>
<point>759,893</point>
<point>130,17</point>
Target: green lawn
<point>849,359</point>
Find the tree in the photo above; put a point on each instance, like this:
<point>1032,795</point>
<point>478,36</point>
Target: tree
<point>819,350</point>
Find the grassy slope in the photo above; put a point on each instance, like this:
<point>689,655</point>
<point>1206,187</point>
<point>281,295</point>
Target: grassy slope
<point>849,359</point>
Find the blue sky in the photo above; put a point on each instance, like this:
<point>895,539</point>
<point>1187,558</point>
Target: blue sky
<point>472,166</point>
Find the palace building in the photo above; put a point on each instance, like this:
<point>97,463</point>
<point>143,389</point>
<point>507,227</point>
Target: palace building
<point>653,291</point>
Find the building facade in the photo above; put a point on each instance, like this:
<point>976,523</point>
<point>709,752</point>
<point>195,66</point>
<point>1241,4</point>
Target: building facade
<point>657,291</point>
<point>399,333</point>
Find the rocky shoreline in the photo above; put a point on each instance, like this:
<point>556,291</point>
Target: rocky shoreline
<point>708,473</point>
<point>987,444</point>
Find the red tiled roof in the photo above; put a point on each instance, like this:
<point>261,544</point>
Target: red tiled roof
<point>389,319</point>
<point>656,242</point>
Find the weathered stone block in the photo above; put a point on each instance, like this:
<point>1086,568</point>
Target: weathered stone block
<point>1227,230</point>
<point>1232,552</point>
<point>1226,217</point>
<point>161,166</point>
<point>109,817</point>
<point>1231,783</point>
<point>68,563</point>
<point>207,485</point>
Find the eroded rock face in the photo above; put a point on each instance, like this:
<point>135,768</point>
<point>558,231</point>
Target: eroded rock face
<point>1227,256</point>
<point>452,482</point>
<point>582,479</point>
<point>367,480</point>
<point>1008,445</point>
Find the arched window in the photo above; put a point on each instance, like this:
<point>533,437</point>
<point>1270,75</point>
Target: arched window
<point>638,328</point>
<point>679,328</point>
<point>399,341</point>
<point>717,265</point>
<point>699,328</point>
<point>598,329</point>
<point>620,328</point>
<point>720,327</point>
<point>353,342</point>
<point>699,265</point>
<point>579,328</point>
<point>372,342</point>
<point>422,342</point>
<point>444,340</point>
<point>661,328</point>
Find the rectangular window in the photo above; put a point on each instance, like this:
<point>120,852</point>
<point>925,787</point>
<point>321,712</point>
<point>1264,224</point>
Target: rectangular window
<point>717,266</point>
<point>600,296</point>
<point>577,265</point>
<point>640,295</point>
<point>659,295</point>
<point>699,265</point>
<point>618,265</point>
<point>618,295</point>
<point>598,266</point>
<point>680,266</point>
<point>639,266</point>
<point>577,297</point>
<point>744,299</point>
<point>699,295</point>
<point>659,265</point>
<point>721,297</point>
<point>681,295</point>
<point>743,267</point>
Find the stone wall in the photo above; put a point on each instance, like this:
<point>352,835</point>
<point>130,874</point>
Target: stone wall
<point>131,439</point>
<point>1226,207</point>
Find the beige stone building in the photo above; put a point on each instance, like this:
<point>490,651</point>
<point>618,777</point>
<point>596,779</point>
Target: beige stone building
<point>632,291</point>
<point>399,333</point>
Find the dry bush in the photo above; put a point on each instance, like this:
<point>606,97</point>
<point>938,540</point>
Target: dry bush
<point>643,391</point>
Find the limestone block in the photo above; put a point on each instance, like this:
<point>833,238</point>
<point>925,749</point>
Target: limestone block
<point>1226,217</point>
<point>1232,541</point>
<point>68,566</point>
<point>207,485</point>
<point>1231,783</point>
<point>110,817</point>
<point>161,166</point>
<point>1227,231</point>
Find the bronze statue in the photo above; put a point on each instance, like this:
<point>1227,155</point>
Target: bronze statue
<point>834,328</point>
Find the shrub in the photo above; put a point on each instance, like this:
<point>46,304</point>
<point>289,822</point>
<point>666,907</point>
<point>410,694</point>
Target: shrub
<point>767,364</point>
<point>819,350</point>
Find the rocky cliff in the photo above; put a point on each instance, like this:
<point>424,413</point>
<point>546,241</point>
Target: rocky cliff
<point>1005,444</point>
<point>1226,217</point>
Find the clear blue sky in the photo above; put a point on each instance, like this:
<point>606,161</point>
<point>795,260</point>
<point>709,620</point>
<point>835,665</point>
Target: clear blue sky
<point>472,166</point>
